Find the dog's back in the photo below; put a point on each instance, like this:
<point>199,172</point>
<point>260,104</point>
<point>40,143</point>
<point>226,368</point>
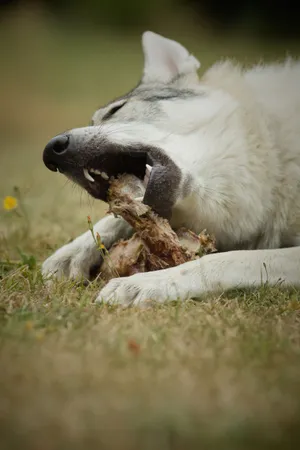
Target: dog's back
<point>277,90</point>
<point>269,102</point>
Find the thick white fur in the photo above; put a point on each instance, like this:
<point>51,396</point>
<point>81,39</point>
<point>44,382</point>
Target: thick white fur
<point>240,142</point>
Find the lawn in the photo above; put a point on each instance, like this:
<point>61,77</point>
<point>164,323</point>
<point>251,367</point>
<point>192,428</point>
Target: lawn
<point>222,373</point>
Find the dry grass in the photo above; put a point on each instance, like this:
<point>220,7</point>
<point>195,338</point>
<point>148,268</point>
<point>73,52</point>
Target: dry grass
<point>217,374</point>
<point>223,374</point>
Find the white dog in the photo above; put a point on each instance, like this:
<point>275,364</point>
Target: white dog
<point>225,156</point>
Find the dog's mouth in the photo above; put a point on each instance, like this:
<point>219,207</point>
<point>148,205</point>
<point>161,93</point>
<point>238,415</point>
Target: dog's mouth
<point>97,178</point>
<point>97,175</point>
<point>159,175</point>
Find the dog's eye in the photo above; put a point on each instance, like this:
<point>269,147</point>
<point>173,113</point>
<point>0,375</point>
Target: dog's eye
<point>113,110</point>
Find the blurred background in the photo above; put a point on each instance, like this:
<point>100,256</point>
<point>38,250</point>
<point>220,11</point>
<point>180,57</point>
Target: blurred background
<point>61,59</point>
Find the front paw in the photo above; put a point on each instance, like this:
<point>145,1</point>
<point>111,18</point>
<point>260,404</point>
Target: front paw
<point>144,288</point>
<point>75,260</point>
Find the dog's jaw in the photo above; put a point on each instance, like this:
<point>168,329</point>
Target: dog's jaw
<point>93,163</point>
<point>160,176</point>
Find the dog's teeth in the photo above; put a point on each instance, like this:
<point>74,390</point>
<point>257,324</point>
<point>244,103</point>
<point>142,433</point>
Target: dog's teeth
<point>98,172</point>
<point>147,175</point>
<point>88,176</point>
<point>145,181</point>
<point>104,176</point>
<point>95,171</point>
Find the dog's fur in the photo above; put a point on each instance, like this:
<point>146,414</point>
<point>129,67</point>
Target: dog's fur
<point>233,138</point>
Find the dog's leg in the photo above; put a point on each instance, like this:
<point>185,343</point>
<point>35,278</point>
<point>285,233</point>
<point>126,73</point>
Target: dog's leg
<point>212,273</point>
<point>78,258</point>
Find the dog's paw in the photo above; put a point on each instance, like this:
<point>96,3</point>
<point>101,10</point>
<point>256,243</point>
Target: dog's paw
<point>75,260</point>
<point>144,288</point>
<point>81,258</point>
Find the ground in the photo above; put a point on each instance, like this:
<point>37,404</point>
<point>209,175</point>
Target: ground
<point>220,373</point>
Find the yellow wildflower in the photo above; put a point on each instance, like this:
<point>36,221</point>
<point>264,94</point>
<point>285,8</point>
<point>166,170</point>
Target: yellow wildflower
<point>99,242</point>
<point>10,203</point>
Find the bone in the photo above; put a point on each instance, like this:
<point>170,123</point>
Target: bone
<point>154,245</point>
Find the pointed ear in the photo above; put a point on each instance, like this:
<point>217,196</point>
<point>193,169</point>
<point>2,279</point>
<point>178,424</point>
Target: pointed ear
<point>165,59</point>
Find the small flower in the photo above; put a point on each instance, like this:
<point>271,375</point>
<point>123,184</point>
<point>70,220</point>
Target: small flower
<point>10,203</point>
<point>99,242</point>
<point>90,224</point>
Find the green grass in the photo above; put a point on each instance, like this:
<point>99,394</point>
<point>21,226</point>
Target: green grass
<point>221,374</point>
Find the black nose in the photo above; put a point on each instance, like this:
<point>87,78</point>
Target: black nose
<point>54,149</point>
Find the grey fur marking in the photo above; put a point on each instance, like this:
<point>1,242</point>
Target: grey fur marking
<point>154,93</point>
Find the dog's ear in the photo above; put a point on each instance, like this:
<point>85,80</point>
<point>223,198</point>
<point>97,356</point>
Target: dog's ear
<point>165,59</point>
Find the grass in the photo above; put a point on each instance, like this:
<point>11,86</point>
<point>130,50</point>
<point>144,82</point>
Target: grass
<point>221,374</point>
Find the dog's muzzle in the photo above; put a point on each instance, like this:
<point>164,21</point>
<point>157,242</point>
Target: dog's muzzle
<point>93,163</point>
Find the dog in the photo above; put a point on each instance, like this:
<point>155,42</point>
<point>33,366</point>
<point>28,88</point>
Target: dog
<point>222,152</point>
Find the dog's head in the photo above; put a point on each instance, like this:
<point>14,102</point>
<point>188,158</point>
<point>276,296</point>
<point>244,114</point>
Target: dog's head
<point>146,126</point>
